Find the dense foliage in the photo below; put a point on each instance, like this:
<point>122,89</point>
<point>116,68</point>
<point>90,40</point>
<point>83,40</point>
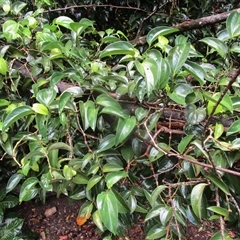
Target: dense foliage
<point>149,132</point>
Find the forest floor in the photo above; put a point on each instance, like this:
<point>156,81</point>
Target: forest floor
<point>56,220</point>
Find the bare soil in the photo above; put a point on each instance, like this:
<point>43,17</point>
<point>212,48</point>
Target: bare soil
<point>56,220</point>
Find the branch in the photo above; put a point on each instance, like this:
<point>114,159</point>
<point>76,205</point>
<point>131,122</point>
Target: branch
<point>193,24</point>
<point>204,21</point>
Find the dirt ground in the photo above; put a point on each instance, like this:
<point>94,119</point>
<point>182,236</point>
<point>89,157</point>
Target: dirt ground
<point>56,220</point>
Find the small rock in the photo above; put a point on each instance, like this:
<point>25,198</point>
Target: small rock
<point>63,237</point>
<point>43,235</point>
<point>50,211</point>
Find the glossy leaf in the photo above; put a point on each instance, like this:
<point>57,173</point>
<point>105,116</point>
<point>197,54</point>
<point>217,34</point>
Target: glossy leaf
<point>28,189</point>
<point>180,93</point>
<point>108,210</point>
<point>113,111</point>
<point>154,33</point>
<point>59,145</point>
<point>46,96</point>
<point>234,128</point>
<point>13,181</point>
<point>157,231</point>
<point>218,236</point>
<point>40,109</point>
<point>219,183</point>
<point>194,115</point>
<point>107,101</point>
<point>218,130</point>
<point>156,193</point>
<point>114,177</point>
<point>196,198</point>
<point>119,48</point>
<point>177,57</point>
<point>150,73</point>
<point>219,210</point>
<point>106,143</point>
<point>124,129</point>
<point>93,181</point>
<point>164,74</point>
<point>68,172</point>
<point>184,143</point>
<point>196,71</point>
<point>216,44</point>
<point>15,115</point>
<point>233,24</point>
<point>80,179</point>
<point>3,66</point>
<point>63,100</point>
<point>64,21</point>
<point>98,221</point>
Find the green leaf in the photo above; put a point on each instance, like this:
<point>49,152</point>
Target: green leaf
<point>113,111</point>
<point>219,210</point>
<point>80,179</point>
<point>17,7</point>
<point>234,128</point>
<point>219,183</point>
<point>68,172</point>
<point>64,21</point>
<point>40,109</point>
<point>196,71</point>
<point>218,236</point>
<point>124,129</point>
<point>233,24</point>
<point>59,145</point>
<point>111,167</point>
<point>114,177</point>
<point>56,78</point>
<point>219,46</point>
<point>28,189</point>
<point>196,198</point>
<point>93,181</point>
<point>13,181</point>
<point>151,74</point>
<point>15,115</point>
<point>180,93</point>
<point>157,231</point>
<point>164,74</point>
<point>156,193</point>
<point>9,201</point>
<point>3,66</point>
<point>98,221</point>
<point>184,143</point>
<point>177,57</point>
<point>218,130</point>
<point>107,101</point>
<point>154,33</point>
<point>108,210</point>
<point>224,105</point>
<point>10,30</point>
<point>80,27</point>
<point>63,100</point>
<point>106,143</point>
<point>46,96</point>
<point>194,115</point>
<point>119,48</point>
